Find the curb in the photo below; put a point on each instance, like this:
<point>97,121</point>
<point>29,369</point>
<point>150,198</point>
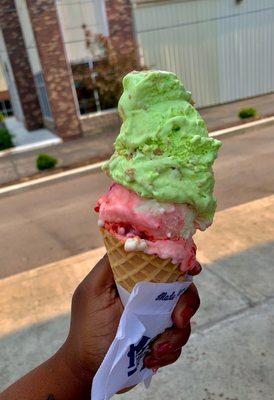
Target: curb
<point>41,181</point>
<point>33,146</point>
<point>243,127</point>
<point>96,166</point>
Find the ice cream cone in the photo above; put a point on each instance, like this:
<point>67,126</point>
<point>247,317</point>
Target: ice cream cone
<point>130,268</point>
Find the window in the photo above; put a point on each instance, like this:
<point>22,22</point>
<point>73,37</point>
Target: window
<point>90,88</point>
<point>73,14</point>
<point>84,87</point>
<point>42,95</point>
<point>6,108</point>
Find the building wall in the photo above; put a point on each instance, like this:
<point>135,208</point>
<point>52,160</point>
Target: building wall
<point>28,35</point>
<point>222,50</point>
<point>53,40</point>
<point>56,69</point>
<point>121,27</point>
<point>18,57</point>
<point>33,55</point>
<point>246,50</point>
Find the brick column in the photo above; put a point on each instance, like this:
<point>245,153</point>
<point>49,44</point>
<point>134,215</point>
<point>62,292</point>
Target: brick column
<point>18,57</point>
<point>121,28</point>
<point>56,70</point>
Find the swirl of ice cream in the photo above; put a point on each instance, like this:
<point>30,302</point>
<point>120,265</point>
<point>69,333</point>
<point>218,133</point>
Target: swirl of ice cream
<point>150,226</point>
<point>163,151</point>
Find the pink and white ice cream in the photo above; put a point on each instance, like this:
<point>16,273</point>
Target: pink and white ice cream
<point>164,229</point>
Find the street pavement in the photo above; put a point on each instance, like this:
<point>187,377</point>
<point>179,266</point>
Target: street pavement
<point>230,355</point>
<point>96,147</point>
<point>49,222</point>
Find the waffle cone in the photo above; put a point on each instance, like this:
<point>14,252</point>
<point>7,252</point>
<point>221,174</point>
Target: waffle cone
<point>133,267</point>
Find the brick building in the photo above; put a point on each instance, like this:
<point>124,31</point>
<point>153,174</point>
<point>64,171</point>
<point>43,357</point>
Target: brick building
<point>43,52</point>
<point>218,48</point>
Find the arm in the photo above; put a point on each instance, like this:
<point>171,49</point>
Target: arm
<point>56,379</point>
<point>95,314</point>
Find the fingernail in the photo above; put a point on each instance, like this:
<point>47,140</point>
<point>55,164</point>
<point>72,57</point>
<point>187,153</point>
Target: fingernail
<point>187,314</point>
<point>198,268</point>
<point>163,348</point>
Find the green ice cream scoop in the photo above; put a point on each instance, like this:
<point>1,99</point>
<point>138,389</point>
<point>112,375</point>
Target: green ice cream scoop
<point>163,150</point>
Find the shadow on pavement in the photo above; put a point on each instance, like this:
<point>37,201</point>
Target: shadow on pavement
<point>229,288</point>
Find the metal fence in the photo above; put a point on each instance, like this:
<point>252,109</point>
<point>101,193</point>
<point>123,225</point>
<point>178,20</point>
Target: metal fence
<point>222,49</point>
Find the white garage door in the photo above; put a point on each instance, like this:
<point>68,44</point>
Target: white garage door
<point>222,49</point>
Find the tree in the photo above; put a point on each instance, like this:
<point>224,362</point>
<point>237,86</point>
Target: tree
<point>109,66</point>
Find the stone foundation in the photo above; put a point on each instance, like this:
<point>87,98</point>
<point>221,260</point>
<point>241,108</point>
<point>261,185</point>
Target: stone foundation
<point>96,123</point>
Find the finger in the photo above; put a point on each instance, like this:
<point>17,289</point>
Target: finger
<point>100,277</point>
<point>125,390</point>
<point>195,270</point>
<point>188,304</point>
<point>151,362</point>
<point>169,341</point>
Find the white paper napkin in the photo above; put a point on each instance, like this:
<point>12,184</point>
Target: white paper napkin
<point>147,313</point>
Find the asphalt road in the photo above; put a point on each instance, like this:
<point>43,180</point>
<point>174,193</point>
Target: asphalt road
<point>48,223</point>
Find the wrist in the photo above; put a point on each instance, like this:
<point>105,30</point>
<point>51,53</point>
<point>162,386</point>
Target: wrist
<point>70,362</point>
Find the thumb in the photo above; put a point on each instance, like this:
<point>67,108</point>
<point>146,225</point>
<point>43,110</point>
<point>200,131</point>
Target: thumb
<point>101,277</point>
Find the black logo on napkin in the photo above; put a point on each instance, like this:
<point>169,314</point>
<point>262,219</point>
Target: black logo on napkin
<point>137,353</point>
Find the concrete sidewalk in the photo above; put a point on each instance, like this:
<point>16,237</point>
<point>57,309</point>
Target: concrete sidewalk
<point>26,140</point>
<point>230,355</point>
<point>100,146</point>
<point>69,154</point>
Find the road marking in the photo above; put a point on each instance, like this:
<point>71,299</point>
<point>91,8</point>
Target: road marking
<point>241,127</point>
<point>31,146</point>
<point>86,168</point>
<point>45,179</point>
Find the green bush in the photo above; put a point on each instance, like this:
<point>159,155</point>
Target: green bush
<point>5,139</point>
<point>44,161</point>
<point>2,117</point>
<point>247,113</point>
